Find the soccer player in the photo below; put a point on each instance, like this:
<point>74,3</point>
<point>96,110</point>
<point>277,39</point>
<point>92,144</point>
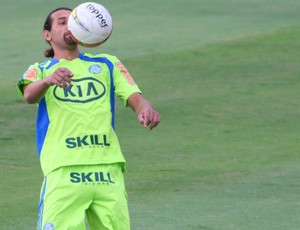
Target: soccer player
<point>77,145</point>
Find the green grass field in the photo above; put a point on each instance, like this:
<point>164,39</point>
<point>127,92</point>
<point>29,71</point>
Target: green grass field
<point>225,77</point>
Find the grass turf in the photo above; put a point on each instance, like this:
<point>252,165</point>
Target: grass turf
<point>229,156</point>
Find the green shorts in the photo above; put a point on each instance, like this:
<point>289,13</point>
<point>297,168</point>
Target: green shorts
<point>73,197</point>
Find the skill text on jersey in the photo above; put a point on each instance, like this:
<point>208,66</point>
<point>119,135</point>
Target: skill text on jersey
<point>87,141</point>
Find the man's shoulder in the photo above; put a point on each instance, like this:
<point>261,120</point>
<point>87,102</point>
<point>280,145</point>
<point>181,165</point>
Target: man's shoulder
<point>39,65</point>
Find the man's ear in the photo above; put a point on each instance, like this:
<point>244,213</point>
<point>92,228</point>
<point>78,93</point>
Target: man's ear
<point>46,34</point>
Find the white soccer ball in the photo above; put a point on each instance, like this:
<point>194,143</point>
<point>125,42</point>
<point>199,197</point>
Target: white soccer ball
<point>90,24</point>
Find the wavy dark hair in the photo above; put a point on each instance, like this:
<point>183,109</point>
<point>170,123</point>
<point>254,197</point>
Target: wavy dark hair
<point>49,53</point>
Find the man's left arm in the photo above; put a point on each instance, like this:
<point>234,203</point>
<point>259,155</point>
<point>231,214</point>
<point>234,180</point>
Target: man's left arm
<point>146,115</point>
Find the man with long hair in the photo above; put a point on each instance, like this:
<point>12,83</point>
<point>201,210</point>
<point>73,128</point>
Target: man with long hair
<point>76,141</point>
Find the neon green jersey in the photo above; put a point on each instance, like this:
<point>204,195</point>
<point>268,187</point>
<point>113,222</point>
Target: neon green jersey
<point>75,125</point>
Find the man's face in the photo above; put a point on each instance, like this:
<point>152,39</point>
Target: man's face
<point>59,35</point>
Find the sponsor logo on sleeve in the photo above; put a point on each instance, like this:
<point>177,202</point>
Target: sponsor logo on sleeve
<point>125,73</point>
<point>31,74</point>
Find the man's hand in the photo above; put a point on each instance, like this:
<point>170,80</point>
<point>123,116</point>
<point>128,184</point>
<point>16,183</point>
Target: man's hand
<point>61,77</point>
<point>149,117</point>
<point>146,115</point>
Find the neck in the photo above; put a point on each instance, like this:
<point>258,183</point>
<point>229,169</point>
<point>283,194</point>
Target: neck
<point>66,54</point>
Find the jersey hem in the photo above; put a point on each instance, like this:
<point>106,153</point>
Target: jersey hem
<point>123,165</point>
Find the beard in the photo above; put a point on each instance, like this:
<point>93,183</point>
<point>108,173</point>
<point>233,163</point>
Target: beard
<point>69,40</point>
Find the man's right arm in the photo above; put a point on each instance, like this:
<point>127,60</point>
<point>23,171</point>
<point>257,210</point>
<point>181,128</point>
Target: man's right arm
<point>35,91</point>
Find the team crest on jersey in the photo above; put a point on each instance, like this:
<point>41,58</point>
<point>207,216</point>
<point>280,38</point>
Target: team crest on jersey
<point>49,226</point>
<point>95,69</point>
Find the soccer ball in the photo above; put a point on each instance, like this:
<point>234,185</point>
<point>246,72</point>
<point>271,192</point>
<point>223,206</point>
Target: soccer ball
<point>90,24</point>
